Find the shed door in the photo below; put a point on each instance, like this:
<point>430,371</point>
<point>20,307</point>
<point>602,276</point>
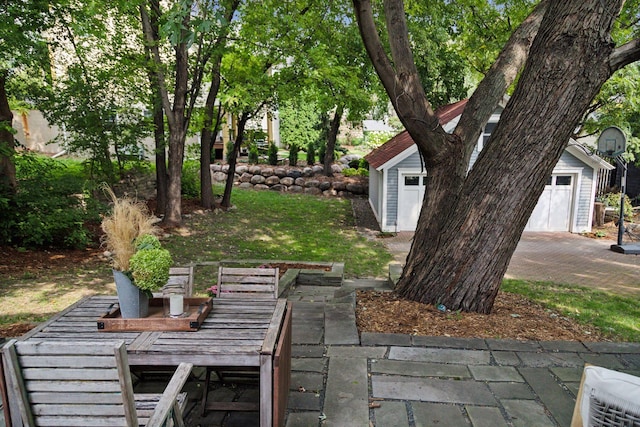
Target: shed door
<point>554,208</point>
<point>410,196</point>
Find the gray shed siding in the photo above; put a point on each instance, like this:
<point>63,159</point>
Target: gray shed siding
<point>583,193</point>
<point>411,162</point>
<point>567,161</point>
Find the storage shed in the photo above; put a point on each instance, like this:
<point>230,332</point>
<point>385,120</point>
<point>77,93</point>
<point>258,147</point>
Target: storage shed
<point>397,181</point>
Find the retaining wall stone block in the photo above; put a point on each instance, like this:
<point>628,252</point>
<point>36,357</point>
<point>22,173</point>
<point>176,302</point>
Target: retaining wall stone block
<point>272,180</point>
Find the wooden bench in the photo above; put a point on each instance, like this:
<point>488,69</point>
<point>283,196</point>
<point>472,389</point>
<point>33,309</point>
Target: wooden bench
<point>248,282</point>
<point>86,384</point>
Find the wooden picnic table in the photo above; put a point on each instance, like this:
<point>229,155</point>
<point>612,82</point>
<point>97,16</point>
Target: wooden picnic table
<point>237,333</point>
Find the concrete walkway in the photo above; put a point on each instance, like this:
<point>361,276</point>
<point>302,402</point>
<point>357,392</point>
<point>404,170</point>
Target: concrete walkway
<point>341,379</point>
<point>560,258</point>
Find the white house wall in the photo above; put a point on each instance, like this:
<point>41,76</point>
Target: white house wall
<point>375,192</point>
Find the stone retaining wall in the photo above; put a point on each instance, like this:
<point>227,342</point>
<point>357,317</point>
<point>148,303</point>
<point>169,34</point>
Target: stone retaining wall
<point>309,180</point>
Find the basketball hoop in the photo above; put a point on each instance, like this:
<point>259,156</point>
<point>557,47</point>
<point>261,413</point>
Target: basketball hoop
<point>612,142</point>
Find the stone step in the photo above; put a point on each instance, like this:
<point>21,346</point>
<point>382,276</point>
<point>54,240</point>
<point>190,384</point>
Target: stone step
<point>340,324</point>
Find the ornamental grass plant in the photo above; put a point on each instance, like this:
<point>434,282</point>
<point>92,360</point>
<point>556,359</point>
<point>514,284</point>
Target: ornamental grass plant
<point>129,219</point>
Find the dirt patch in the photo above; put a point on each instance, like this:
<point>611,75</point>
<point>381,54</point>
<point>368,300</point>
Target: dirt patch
<point>513,317</point>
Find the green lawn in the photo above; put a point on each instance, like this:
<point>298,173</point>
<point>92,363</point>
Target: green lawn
<point>617,316</point>
<point>273,226</point>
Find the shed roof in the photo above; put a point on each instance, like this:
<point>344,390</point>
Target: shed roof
<point>403,140</point>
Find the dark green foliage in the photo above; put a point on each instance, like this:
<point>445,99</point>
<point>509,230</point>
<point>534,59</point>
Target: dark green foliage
<point>273,154</point>
<point>311,154</point>
<point>191,179</point>
<point>51,208</point>
<point>293,155</point>
<point>321,152</point>
<point>298,123</point>
<point>230,147</point>
<point>363,164</point>
<point>253,154</point>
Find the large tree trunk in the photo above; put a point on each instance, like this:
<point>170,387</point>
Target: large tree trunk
<point>173,214</point>
<point>176,114</point>
<point>233,156</point>
<point>8,182</point>
<point>207,138</point>
<point>331,140</point>
<point>162,179</point>
<point>470,225</point>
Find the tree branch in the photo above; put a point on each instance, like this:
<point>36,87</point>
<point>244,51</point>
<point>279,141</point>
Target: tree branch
<point>500,76</point>
<point>152,45</point>
<point>625,55</point>
<point>372,43</point>
<point>403,87</point>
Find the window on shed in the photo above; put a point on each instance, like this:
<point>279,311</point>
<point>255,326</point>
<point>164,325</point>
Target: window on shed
<point>412,180</point>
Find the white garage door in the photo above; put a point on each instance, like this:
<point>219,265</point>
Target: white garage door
<point>554,208</point>
<point>410,196</point>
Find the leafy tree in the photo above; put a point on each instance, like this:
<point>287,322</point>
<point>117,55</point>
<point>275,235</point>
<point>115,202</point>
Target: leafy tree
<point>471,221</point>
<point>298,122</point>
<point>193,31</point>
<point>212,118</point>
<point>256,67</point>
<point>618,104</point>
<point>339,77</point>
<point>252,90</point>
<point>21,46</point>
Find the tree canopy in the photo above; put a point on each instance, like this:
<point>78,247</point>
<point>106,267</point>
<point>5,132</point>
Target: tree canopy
<point>558,58</point>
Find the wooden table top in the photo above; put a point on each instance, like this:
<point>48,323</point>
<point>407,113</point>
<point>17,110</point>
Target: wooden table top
<point>235,333</point>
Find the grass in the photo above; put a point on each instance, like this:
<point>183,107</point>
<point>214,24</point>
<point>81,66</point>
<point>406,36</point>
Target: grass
<point>270,225</point>
<point>617,316</point>
<point>262,225</point>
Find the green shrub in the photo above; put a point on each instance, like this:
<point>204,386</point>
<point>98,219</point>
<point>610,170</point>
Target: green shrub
<point>311,154</point>
<point>293,155</point>
<point>613,201</point>
<point>321,153</point>
<point>273,154</point>
<point>253,154</point>
<point>150,268</point>
<point>51,207</point>
<point>191,179</point>
<point>355,172</point>
<point>230,147</point>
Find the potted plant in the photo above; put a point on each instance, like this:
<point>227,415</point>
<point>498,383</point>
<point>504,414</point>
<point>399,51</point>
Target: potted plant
<point>140,264</point>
